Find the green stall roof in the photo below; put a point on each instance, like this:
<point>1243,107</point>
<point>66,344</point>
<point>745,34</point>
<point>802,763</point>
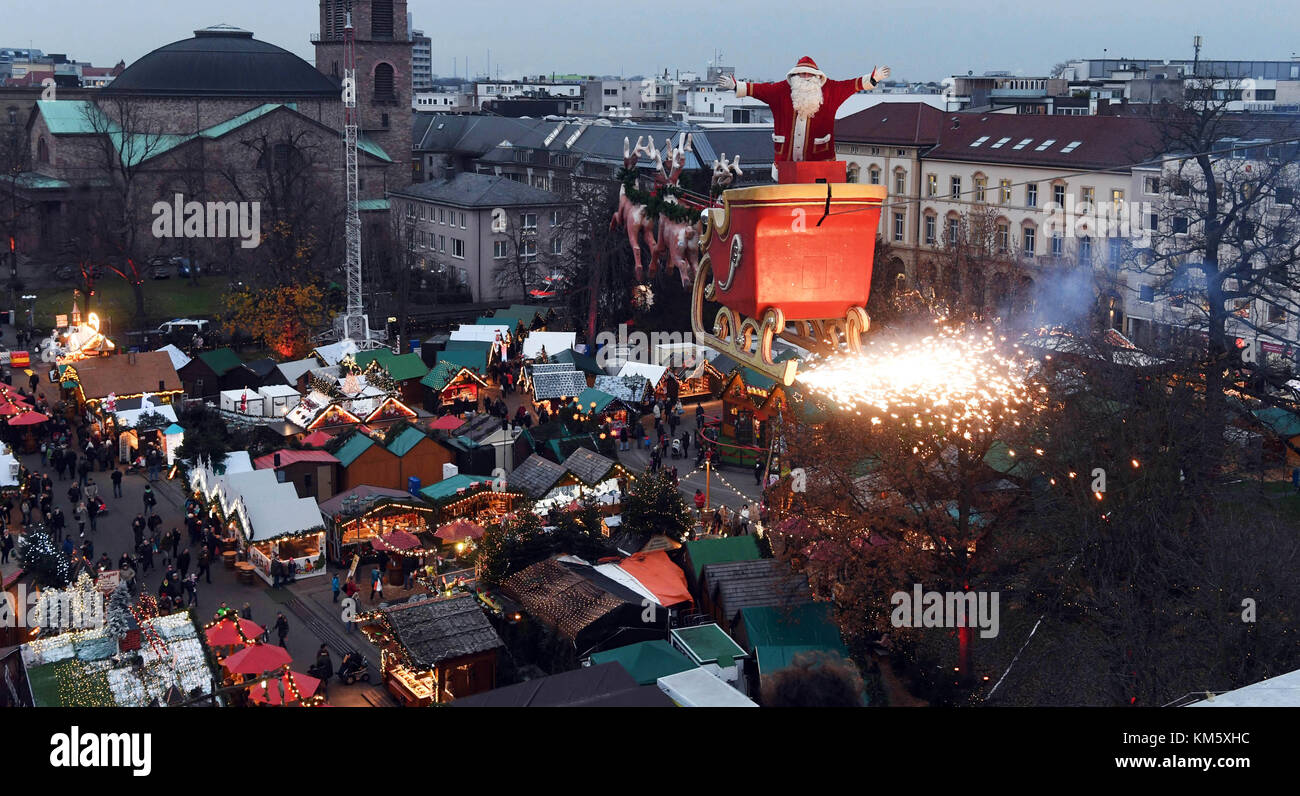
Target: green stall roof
<point>646,661</point>
<point>716,551</point>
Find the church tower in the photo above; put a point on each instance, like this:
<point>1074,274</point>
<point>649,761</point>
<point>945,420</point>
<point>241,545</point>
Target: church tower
<point>383,73</point>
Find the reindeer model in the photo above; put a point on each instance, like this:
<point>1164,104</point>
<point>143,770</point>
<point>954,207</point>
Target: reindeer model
<point>634,216</point>
<point>724,174</point>
<point>679,241</point>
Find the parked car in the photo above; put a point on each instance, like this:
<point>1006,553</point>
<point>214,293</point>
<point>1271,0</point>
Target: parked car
<point>184,326</point>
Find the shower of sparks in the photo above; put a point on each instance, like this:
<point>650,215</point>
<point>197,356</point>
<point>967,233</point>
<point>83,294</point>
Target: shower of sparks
<point>953,383</point>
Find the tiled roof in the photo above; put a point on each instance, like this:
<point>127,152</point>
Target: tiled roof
<point>126,374</point>
<point>562,384</point>
<point>441,629</point>
<point>288,457</point>
<point>479,190</point>
<point>629,390</point>
<point>535,476</point>
<point>591,468</point>
<point>901,123</point>
<point>741,584</point>
<point>1070,142</point>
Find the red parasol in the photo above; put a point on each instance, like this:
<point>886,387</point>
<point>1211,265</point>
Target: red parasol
<point>8,409</point>
<point>397,541</point>
<point>447,423</point>
<point>270,695</point>
<point>224,633</point>
<point>257,658</point>
<point>28,418</point>
<point>460,529</point>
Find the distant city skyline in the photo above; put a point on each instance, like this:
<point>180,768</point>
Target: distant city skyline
<point>925,40</point>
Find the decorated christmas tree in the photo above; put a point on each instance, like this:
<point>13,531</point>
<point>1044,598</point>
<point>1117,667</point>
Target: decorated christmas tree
<point>119,612</point>
<point>655,505</point>
<point>41,557</point>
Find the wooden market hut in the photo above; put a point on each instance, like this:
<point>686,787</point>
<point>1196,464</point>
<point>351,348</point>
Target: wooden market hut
<point>471,497</point>
<point>407,459</point>
<point>124,376</point>
<point>434,650</point>
<point>449,385</point>
<point>403,371</point>
<point>314,473</point>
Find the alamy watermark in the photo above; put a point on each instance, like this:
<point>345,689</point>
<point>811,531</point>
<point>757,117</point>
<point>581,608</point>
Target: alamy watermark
<point>921,608</point>
<point>77,749</point>
<point>52,609</point>
<point>193,219</point>
<point>1086,219</point>
<point>642,347</point>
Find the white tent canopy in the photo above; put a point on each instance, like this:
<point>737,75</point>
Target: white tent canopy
<point>179,357</point>
<point>651,373</point>
<point>267,507</point>
<point>553,342</point>
<point>486,333</point>
<point>334,352</point>
<point>127,418</point>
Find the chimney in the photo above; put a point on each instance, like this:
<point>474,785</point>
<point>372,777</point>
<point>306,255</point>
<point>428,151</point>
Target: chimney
<point>449,470</point>
<point>162,386</point>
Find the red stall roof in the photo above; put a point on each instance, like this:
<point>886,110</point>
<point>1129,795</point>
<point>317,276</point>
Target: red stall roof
<point>657,572</point>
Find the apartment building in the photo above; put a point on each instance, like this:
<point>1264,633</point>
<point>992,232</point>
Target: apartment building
<point>571,91</point>
<point>474,225</point>
<point>1008,173</point>
<point>421,61</point>
<point>1163,303</point>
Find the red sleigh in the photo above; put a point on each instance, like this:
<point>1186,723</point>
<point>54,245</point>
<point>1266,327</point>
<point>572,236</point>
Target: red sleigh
<point>791,260</point>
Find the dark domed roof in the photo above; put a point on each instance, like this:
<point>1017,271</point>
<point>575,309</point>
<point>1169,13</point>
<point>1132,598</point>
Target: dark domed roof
<point>223,61</point>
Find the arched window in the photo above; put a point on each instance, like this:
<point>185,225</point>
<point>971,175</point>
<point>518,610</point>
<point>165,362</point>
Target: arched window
<point>874,173</point>
<point>855,172</point>
<point>385,85</point>
<point>381,19</point>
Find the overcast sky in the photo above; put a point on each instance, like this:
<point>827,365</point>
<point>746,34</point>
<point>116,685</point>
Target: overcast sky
<point>920,39</point>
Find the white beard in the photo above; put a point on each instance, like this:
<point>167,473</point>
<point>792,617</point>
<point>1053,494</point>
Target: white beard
<point>806,96</point>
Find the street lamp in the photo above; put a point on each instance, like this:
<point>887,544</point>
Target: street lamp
<point>31,311</point>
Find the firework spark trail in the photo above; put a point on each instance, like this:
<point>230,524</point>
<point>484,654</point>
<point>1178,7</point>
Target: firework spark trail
<point>951,382</point>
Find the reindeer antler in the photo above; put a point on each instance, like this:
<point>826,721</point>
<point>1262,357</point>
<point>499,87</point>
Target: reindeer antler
<point>735,166</point>
<point>627,142</point>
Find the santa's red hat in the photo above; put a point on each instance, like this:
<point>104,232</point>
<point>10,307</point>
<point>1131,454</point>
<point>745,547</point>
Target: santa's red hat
<point>806,66</point>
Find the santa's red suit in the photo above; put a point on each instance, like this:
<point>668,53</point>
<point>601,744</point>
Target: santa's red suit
<point>798,137</point>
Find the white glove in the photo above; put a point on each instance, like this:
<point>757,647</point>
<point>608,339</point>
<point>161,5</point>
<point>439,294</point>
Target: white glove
<point>879,73</point>
<point>726,82</point>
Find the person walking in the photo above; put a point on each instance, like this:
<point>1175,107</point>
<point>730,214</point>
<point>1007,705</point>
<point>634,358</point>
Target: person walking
<point>281,627</point>
<point>175,538</point>
<point>378,586</point>
<point>146,551</point>
<point>92,512</point>
<point>699,416</point>
<point>26,509</point>
<point>183,562</point>
<point>137,529</point>
<point>192,589</point>
<point>334,587</point>
<point>205,565</point>
<point>758,471</point>
<point>116,478</point>
<point>149,499</point>
<point>744,519</point>
<point>6,546</point>
<point>79,514</point>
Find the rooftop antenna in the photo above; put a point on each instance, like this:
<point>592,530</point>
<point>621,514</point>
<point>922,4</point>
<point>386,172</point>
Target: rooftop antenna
<point>1196,59</point>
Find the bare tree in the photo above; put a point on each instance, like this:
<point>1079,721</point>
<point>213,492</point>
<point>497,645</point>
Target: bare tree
<point>1226,240</point>
<point>125,139</point>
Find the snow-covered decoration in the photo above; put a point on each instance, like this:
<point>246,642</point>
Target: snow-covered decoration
<point>643,298</point>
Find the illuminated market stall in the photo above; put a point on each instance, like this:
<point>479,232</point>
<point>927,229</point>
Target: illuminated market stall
<point>434,650</point>
<point>355,518</point>
<point>471,497</point>
<point>265,514</point>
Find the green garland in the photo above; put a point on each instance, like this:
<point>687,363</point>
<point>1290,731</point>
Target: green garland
<point>656,204</point>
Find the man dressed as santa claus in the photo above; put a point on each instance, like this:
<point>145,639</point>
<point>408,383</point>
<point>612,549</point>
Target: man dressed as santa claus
<point>803,108</point>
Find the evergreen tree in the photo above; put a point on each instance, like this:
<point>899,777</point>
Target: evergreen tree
<point>119,612</point>
<point>505,549</point>
<point>655,505</point>
<point>39,555</point>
